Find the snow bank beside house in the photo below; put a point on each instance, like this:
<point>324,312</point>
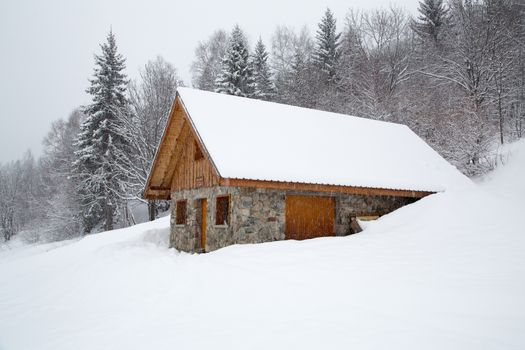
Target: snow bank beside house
<point>505,180</point>
<point>447,272</point>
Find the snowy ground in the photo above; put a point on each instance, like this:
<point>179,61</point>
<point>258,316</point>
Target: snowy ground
<point>445,273</point>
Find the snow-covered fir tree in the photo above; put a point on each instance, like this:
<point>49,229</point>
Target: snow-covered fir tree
<point>236,77</point>
<point>432,16</point>
<point>100,167</point>
<point>264,87</point>
<point>301,88</point>
<point>326,54</point>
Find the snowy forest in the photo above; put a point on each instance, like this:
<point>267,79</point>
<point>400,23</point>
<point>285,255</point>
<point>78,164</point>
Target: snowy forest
<point>454,73</point>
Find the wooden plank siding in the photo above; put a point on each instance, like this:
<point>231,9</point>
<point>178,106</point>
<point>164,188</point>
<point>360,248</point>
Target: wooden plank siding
<point>309,217</point>
<point>191,173</point>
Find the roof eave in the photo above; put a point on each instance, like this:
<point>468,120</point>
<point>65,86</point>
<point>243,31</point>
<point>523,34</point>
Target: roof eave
<point>326,188</point>
<point>162,138</point>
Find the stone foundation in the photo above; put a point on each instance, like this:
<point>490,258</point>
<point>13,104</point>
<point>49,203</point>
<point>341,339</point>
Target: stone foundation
<point>258,215</point>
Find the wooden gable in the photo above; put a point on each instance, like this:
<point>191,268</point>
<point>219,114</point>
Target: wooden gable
<point>182,161</point>
<point>192,169</point>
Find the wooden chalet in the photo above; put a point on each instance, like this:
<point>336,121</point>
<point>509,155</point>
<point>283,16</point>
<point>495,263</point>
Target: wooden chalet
<point>239,170</point>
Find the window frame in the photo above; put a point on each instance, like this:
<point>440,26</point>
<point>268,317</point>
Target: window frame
<point>226,222</point>
<point>183,211</point>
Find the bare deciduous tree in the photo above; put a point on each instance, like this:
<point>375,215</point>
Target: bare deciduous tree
<point>150,103</point>
<point>208,59</point>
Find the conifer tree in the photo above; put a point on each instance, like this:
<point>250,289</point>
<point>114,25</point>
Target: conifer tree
<point>432,17</point>
<point>327,51</point>
<point>236,77</point>
<point>264,88</point>
<point>100,167</point>
<point>300,87</point>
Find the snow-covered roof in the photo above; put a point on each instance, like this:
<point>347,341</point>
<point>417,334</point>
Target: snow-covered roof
<point>259,140</point>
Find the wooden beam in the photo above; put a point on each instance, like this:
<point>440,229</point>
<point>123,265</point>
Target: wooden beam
<point>168,146</point>
<point>298,186</point>
<point>159,188</point>
<point>160,150</point>
<point>150,194</point>
<point>176,154</point>
<point>159,197</point>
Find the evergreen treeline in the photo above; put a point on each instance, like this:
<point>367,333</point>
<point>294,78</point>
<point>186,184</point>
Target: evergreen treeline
<point>455,74</point>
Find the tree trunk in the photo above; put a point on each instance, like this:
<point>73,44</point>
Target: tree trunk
<point>152,210</point>
<point>500,117</point>
<point>109,218</point>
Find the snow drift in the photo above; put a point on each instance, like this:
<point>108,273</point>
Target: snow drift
<point>447,272</point>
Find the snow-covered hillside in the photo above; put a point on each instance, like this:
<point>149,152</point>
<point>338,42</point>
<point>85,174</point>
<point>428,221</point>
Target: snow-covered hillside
<point>447,272</point>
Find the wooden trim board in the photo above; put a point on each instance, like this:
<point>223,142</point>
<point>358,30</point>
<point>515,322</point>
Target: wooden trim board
<point>298,186</point>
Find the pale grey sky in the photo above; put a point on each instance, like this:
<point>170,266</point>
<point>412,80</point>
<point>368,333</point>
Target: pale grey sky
<point>47,47</point>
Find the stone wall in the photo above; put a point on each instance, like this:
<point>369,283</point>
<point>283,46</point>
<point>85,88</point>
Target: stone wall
<point>258,215</point>
<point>347,206</point>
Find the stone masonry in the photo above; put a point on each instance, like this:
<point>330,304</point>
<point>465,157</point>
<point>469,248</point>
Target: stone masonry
<point>258,215</point>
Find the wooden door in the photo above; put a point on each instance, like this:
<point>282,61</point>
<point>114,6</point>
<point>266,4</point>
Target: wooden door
<point>203,206</point>
<point>309,217</point>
